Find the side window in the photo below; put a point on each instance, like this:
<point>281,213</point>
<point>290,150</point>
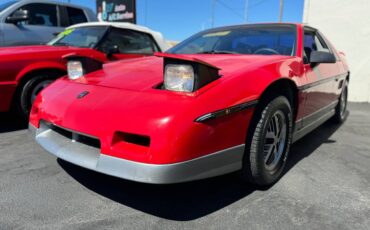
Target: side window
<point>312,42</point>
<point>40,14</point>
<point>76,16</point>
<point>129,42</point>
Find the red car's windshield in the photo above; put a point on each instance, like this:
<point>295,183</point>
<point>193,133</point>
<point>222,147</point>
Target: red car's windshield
<point>256,39</point>
<point>84,37</point>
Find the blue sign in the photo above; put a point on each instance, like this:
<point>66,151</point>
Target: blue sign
<point>116,10</point>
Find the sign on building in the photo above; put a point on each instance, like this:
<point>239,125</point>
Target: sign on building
<point>116,10</point>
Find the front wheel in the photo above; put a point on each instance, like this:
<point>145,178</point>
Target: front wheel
<point>269,143</point>
<point>27,93</point>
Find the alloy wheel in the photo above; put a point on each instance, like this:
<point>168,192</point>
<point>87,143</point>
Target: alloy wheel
<point>275,141</point>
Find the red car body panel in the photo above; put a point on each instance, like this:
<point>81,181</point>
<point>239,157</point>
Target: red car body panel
<point>17,62</point>
<point>124,98</point>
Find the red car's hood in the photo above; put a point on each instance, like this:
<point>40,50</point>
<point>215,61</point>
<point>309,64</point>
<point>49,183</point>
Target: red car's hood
<point>144,73</point>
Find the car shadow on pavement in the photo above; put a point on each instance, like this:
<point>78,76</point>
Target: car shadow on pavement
<point>192,200</point>
<point>10,122</point>
<point>308,144</point>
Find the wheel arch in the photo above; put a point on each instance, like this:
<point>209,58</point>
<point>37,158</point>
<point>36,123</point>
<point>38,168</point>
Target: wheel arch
<point>40,67</point>
<point>29,75</point>
<point>25,76</point>
<point>284,87</point>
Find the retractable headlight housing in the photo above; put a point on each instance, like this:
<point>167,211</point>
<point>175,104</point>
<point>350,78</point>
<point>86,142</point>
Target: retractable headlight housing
<point>179,78</point>
<point>75,69</point>
<point>184,74</point>
<point>78,66</point>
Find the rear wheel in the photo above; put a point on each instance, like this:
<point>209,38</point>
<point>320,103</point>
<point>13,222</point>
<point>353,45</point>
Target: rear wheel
<point>341,109</point>
<point>28,92</point>
<point>269,143</point>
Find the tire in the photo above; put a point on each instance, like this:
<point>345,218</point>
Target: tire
<point>267,146</point>
<point>341,109</point>
<point>28,91</point>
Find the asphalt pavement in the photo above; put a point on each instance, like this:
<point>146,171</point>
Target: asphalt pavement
<point>326,186</point>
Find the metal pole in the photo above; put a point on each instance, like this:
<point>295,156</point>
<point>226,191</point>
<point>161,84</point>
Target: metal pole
<point>306,11</point>
<point>246,11</point>
<point>281,10</point>
<point>146,12</point>
<point>213,13</point>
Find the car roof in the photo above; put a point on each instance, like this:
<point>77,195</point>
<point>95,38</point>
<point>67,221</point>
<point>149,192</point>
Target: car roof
<point>121,25</point>
<point>158,37</point>
<point>277,24</point>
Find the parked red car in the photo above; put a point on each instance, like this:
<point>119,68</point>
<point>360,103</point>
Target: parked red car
<point>227,99</point>
<point>25,71</point>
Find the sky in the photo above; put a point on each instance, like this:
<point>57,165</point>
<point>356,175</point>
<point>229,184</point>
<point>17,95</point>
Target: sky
<point>179,19</point>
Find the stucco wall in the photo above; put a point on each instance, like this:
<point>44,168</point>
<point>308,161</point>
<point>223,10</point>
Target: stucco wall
<point>347,24</point>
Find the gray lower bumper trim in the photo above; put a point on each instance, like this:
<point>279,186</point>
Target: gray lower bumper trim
<point>222,162</point>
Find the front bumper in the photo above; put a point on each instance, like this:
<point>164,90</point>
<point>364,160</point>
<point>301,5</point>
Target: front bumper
<point>219,163</point>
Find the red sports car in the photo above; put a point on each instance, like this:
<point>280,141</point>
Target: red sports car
<point>25,71</point>
<point>226,99</point>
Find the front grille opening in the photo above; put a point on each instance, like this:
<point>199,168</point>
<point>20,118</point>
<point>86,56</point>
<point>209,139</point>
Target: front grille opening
<point>133,139</point>
<point>93,142</point>
<point>76,137</point>
<point>63,132</point>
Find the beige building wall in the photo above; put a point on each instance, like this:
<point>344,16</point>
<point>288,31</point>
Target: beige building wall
<point>347,25</point>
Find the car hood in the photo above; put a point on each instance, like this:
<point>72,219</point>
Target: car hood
<point>146,73</point>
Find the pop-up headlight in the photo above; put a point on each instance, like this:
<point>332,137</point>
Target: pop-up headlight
<point>75,70</point>
<point>186,74</point>
<point>78,66</point>
<point>179,78</point>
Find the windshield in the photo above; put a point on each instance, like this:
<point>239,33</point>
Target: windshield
<point>5,5</point>
<point>253,39</point>
<point>84,37</point>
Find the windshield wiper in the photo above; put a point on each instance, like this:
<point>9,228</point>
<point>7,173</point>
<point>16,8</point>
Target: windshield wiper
<point>61,44</point>
<point>218,52</point>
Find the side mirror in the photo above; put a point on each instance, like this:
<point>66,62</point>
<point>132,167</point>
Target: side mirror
<point>18,16</point>
<point>322,57</point>
<point>112,50</point>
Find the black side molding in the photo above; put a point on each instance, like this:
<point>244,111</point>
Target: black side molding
<point>227,111</point>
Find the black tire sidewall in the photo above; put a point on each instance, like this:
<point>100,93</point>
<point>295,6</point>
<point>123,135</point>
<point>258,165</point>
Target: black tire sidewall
<point>24,95</point>
<point>254,156</point>
<point>338,110</point>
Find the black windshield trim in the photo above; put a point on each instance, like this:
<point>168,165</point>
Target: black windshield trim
<point>292,26</point>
